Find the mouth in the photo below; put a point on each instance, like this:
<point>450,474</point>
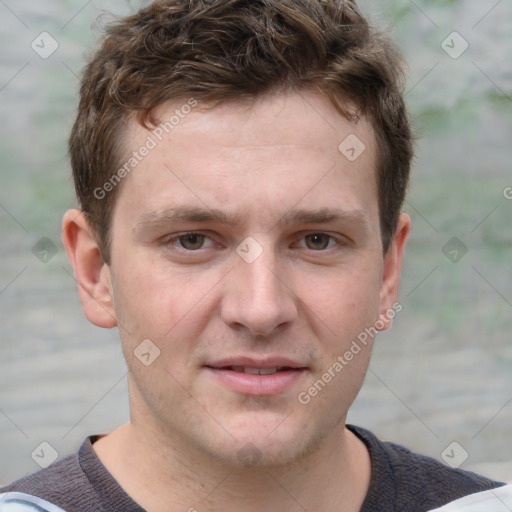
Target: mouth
<point>254,371</point>
<point>257,378</point>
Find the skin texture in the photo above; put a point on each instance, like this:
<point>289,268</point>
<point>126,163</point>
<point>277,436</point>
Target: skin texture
<point>305,298</point>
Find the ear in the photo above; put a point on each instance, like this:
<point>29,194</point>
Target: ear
<point>391,272</point>
<point>91,271</point>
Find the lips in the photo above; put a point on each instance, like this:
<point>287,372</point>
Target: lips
<point>270,376</point>
<point>267,363</point>
<point>255,371</point>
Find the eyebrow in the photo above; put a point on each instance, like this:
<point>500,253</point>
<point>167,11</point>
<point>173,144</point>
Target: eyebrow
<point>199,214</point>
<point>325,215</point>
<point>188,214</point>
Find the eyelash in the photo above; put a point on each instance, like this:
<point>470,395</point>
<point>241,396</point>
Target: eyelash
<point>190,233</point>
<point>175,240</point>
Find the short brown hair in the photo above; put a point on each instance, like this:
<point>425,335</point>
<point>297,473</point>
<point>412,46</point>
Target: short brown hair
<point>222,50</point>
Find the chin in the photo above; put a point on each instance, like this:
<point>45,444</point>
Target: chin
<point>257,455</point>
<point>267,445</point>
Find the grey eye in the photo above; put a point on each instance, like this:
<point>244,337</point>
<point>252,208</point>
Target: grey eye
<point>317,241</point>
<point>192,241</point>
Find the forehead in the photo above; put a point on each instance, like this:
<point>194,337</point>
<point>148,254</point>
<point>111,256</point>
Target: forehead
<point>270,153</point>
<point>301,119</point>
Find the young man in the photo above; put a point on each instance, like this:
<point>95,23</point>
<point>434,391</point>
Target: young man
<point>241,167</point>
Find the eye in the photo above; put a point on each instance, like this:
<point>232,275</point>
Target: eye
<point>319,241</point>
<point>190,241</point>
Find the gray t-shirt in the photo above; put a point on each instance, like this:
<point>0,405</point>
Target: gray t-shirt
<point>401,481</point>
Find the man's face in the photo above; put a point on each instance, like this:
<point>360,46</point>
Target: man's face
<point>246,242</point>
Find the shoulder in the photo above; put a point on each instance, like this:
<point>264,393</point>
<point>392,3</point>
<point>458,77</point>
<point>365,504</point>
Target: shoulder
<point>494,500</point>
<point>425,473</point>
<point>63,484</point>
<point>78,483</point>
<point>406,480</point>
<point>60,476</point>
<point>21,502</point>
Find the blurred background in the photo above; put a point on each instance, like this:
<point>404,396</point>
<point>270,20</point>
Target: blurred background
<point>441,379</point>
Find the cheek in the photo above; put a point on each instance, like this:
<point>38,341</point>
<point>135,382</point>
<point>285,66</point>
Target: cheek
<point>149,297</point>
<point>171,309</point>
<point>346,302</point>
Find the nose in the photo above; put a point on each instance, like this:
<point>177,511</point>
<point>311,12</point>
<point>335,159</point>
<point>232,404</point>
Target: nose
<point>257,298</point>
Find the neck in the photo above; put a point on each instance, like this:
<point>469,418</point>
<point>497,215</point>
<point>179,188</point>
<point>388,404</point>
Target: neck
<point>157,471</point>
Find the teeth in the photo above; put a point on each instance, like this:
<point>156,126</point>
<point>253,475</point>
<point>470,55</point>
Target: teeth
<point>251,371</point>
<point>267,371</point>
<point>254,371</point>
